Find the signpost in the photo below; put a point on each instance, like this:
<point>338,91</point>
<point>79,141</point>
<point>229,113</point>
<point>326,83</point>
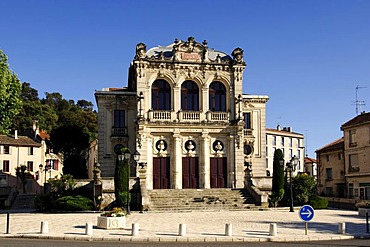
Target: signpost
<point>306,214</point>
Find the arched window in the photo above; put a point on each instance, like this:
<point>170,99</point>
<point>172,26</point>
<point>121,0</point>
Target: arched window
<point>217,96</point>
<point>161,95</point>
<point>189,96</point>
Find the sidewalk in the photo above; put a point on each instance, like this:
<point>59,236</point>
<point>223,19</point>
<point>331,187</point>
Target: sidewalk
<point>246,226</point>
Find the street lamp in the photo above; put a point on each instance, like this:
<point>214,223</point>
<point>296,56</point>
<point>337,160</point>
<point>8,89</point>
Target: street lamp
<point>46,169</point>
<point>291,166</point>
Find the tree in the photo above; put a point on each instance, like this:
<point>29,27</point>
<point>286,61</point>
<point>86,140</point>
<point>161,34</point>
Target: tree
<point>10,88</point>
<point>29,93</point>
<point>121,181</point>
<point>278,178</point>
<point>72,142</point>
<point>304,187</point>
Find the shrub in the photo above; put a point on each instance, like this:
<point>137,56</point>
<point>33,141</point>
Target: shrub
<point>318,202</point>
<point>43,201</point>
<point>304,187</point>
<point>74,203</point>
<point>362,205</point>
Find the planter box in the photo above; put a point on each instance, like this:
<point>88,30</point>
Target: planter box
<point>363,211</point>
<point>111,222</point>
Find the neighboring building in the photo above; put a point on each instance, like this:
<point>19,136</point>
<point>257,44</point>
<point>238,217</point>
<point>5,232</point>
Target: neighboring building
<point>356,134</point>
<point>17,151</point>
<point>331,169</point>
<point>31,151</point>
<point>289,142</point>
<point>92,158</point>
<point>310,166</point>
<point>344,169</point>
<point>185,112</point>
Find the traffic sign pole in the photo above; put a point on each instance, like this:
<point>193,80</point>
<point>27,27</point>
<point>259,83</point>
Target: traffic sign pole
<point>306,213</point>
<point>306,228</point>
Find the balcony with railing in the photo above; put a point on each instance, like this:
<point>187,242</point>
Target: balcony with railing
<point>122,131</point>
<point>248,132</point>
<point>218,116</point>
<point>162,116</point>
<point>189,116</point>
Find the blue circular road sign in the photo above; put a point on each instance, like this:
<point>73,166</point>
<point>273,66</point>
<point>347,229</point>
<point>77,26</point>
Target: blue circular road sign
<point>306,213</point>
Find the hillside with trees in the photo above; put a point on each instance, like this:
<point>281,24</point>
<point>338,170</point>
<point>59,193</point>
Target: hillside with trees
<point>72,126</point>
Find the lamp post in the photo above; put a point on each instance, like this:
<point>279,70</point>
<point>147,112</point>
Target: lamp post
<point>291,166</point>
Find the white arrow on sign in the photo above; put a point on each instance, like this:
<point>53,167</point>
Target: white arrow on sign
<point>308,213</point>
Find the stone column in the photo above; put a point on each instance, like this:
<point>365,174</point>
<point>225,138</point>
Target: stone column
<point>149,152</point>
<point>177,167</point>
<point>231,162</point>
<point>205,162</point>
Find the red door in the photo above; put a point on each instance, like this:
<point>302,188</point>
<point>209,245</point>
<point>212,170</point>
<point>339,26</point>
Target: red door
<point>190,173</point>
<point>161,173</point>
<point>218,172</point>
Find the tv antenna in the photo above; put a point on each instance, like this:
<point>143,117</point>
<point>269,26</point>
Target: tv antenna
<point>359,103</point>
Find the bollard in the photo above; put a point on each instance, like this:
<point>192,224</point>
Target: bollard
<point>135,229</point>
<point>273,229</point>
<point>228,230</point>
<point>44,227</point>
<point>342,228</point>
<point>182,230</point>
<point>7,222</point>
<point>89,229</point>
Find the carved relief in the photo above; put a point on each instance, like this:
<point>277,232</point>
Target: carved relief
<point>140,51</point>
<point>160,147</point>
<point>238,56</point>
<point>218,148</point>
<point>190,147</point>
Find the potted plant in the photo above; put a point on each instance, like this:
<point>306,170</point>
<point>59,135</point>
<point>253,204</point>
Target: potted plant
<point>113,219</point>
<point>363,208</point>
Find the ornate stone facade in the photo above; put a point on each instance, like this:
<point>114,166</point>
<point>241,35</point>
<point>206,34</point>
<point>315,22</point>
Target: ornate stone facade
<point>185,112</point>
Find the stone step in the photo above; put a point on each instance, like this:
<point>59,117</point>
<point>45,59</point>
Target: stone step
<point>200,199</point>
<point>24,201</point>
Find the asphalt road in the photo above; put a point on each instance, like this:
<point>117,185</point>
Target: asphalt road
<point>14,242</point>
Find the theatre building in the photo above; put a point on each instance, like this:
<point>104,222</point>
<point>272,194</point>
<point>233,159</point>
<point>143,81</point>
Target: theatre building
<point>185,112</point>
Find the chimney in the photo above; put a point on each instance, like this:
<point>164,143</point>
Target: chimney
<point>278,127</point>
<point>15,134</point>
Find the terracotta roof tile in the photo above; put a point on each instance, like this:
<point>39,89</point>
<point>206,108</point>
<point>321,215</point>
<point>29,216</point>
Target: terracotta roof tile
<point>309,160</point>
<point>23,141</point>
<point>335,144</point>
<point>360,119</point>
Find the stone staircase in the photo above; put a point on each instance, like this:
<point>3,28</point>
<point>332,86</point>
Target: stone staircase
<point>200,199</point>
<point>24,202</point>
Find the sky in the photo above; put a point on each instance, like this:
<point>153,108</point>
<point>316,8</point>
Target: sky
<point>308,57</point>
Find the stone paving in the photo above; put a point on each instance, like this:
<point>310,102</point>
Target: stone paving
<point>200,226</point>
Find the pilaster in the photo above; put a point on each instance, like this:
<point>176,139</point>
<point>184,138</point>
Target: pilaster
<point>205,163</point>
<point>176,178</point>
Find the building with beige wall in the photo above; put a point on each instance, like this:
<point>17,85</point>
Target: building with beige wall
<point>18,150</point>
<point>344,165</point>
<point>331,169</point>
<point>310,166</point>
<point>184,110</point>
<point>356,134</point>
<point>289,142</point>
